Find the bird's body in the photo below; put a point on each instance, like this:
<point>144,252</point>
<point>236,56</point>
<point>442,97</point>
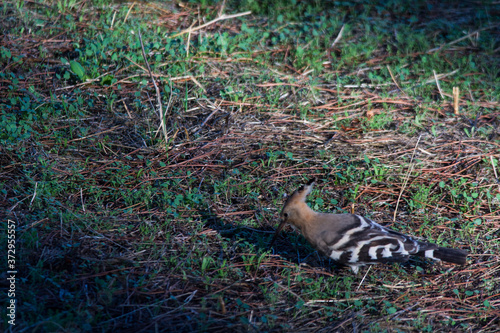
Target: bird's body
<point>354,240</point>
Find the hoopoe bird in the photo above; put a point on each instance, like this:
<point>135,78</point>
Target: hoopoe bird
<point>354,240</point>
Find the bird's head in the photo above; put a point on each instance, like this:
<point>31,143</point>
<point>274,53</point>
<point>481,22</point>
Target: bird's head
<point>294,205</point>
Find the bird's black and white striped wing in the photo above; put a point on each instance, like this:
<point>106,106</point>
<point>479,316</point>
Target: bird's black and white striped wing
<point>366,242</point>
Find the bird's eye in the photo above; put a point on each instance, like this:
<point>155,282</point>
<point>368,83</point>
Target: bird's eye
<point>285,215</point>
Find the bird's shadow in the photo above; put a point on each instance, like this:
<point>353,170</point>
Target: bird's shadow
<point>290,245</point>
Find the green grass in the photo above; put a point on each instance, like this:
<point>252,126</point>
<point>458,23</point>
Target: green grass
<point>122,228</point>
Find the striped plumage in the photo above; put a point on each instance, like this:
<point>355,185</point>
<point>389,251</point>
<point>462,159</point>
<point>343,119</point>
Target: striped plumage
<point>354,240</point>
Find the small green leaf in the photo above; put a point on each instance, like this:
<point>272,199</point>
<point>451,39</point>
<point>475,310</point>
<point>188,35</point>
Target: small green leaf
<point>107,80</point>
<point>392,310</point>
<point>77,69</point>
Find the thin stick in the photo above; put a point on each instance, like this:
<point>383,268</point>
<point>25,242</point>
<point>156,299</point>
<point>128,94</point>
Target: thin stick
<point>456,95</point>
<point>126,108</point>
<point>216,108</point>
<point>364,278</point>
<point>98,133</point>
<point>397,85</point>
<point>141,67</point>
<point>169,102</point>
<point>81,198</point>
<point>493,165</point>
<point>291,292</point>
<point>198,83</point>
<point>437,82</point>
<point>222,8</point>
<point>34,193</point>
<point>439,76</point>
<point>158,96</point>
<point>113,20</point>
<point>462,38</point>
<point>188,41</point>
<point>406,178</point>
<point>126,16</point>
<point>338,300</point>
<point>338,37</point>
<point>220,18</point>
<point>494,170</point>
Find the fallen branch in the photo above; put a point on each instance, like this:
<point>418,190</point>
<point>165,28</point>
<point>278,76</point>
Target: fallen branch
<point>220,18</point>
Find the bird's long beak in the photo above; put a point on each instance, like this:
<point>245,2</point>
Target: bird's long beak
<point>282,224</point>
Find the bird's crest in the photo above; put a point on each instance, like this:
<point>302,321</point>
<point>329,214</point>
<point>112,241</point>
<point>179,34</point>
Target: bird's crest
<point>301,194</point>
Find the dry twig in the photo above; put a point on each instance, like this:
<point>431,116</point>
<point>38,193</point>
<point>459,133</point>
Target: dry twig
<point>158,95</point>
<point>220,18</point>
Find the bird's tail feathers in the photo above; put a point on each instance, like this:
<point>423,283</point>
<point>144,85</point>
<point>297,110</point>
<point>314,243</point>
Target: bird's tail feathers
<point>455,256</point>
